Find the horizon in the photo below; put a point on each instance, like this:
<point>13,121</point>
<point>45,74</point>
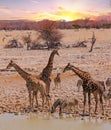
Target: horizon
<point>68,10</point>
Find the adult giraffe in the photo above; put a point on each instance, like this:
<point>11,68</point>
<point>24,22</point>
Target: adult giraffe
<point>33,84</point>
<point>89,86</point>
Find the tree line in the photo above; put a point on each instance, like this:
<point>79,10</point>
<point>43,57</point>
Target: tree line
<point>33,25</point>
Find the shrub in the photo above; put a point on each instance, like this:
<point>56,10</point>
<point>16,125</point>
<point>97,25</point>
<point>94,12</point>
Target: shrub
<point>49,34</point>
<point>13,44</point>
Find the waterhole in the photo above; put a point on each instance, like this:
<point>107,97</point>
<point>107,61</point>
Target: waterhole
<point>51,122</point>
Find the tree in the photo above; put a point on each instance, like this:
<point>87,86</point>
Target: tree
<point>49,33</point>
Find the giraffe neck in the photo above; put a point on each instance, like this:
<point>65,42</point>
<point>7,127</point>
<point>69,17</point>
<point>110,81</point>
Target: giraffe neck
<point>82,74</point>
<point>48,69</point>
<point>21,72</point>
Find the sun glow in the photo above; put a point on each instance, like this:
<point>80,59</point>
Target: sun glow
<point>61,14</point>
<point>67,19</point>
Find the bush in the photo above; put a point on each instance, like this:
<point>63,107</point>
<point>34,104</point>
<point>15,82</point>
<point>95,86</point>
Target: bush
<point>13,44</point>
<point>38,46</point>
<point>49,34</point>
<point>76,26</point>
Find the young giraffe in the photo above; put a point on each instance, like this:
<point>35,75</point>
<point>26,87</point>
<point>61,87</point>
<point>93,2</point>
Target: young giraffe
<point>79,84</point>
<point>46,73</point>
<point>89,86</point>
<point>33,84</point>
<point>57,80</point>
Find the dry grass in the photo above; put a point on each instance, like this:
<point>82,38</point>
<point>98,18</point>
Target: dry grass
<point>69,36</point>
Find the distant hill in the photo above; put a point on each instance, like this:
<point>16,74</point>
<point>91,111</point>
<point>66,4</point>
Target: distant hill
<point>18,20</point>
<point>24,24</point>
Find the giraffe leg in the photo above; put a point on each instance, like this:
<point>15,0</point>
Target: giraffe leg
<point>56,85</point>
<point>42,102</point>
<point>48,102</point>
<point>84,93</point>
<point>60,110</point>
<point>59,84</point>
<point>89,102</point>
<point>30,99</point>
<point>77,108</point>
<point>36,100</point>
<point>78,88</point>
<point>35,94</point>
<point>96,100</point>
<point>101,101</point>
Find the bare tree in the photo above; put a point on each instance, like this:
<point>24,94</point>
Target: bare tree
<point>93,40</point>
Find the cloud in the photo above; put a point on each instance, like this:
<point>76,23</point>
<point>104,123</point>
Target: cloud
<point>35,1</point>
<point>72,15</point>
<point>25,11</point>
<point>60,8</point>
<point>5,9</point>
<point>110,3</point>
<point>62,14</point>
<point>104,16</point>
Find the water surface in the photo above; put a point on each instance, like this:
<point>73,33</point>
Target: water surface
<point>49,122</point>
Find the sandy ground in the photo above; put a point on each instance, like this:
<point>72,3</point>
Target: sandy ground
<point>13,91</point>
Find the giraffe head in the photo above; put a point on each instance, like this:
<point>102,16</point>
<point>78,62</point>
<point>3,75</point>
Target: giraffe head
<point>55,51</point>
<point>11,63</point>
<point>68,67</point>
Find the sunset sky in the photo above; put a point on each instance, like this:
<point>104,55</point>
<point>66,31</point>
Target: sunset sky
<point>54,9</point>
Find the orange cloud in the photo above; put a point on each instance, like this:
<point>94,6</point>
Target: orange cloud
<point>62,14</point>
<point>66,14</point>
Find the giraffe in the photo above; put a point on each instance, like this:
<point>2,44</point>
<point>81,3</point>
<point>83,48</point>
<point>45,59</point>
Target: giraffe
<point>33,84</point>
<point>46,72</point>
<point>80,82</point>
<point>57,80</point>
<point>89,86</point>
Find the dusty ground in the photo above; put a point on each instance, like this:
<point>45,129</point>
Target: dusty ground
<point>13,92</point>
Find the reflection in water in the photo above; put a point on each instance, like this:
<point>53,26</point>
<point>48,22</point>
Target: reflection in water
<point>45,121</point>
